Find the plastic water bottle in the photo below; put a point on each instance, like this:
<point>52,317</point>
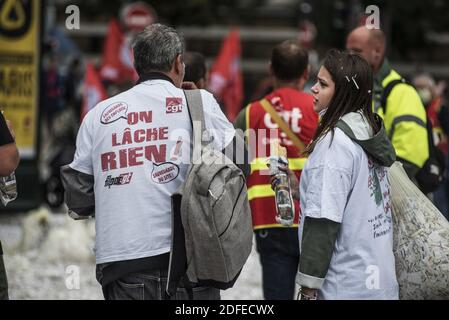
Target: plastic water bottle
<point>285,207</point>
<point>8,188</point>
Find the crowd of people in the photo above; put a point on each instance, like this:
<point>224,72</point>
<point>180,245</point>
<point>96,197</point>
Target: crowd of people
<point>133,153</point>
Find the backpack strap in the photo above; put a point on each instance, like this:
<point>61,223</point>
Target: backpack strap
<point>387,90</point>
<point>284,126</point>
<point>195,106</point>
<point>196,113</point>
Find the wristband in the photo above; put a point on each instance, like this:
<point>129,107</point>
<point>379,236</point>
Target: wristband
<point>303,296</point>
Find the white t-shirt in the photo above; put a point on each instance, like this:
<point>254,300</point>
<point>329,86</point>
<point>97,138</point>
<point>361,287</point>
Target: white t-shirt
<point>137,146</point>
<point>341,183</point>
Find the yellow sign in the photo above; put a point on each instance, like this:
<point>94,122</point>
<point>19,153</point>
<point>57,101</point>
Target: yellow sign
<point>19,70</point>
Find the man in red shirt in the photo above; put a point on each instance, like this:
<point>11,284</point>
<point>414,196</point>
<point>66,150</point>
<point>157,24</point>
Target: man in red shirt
<point>277,245</point>
<point>196,70</point>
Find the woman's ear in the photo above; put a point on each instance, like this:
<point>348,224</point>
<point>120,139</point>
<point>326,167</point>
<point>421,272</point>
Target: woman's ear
<point>270,70</point>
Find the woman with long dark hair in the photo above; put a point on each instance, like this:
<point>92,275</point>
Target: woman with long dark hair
<point>345,230</point>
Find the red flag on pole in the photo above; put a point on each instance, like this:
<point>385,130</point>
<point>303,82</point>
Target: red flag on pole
<point>226,75</point>
<point>117,59</point>
<point>93,92</point>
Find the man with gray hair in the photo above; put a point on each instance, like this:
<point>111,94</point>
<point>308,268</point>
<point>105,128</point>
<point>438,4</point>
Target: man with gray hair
<point>135,148</point>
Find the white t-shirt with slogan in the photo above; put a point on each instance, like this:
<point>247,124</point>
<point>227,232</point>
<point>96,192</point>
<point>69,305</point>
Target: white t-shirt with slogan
<point>341,183</point>
<point>137,146</point>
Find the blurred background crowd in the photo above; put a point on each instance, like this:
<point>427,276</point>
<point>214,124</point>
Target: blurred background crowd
<point>86,57</point>
<point>81,66</point>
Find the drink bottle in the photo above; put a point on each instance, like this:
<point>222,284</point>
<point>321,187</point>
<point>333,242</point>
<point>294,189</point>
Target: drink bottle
<point>8,188</point>
<point>285,207</point>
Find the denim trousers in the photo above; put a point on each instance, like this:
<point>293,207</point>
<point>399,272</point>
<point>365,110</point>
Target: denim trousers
<point>151,285</point>
<point>441,195</point>
<point>3,280</point>
<point>278,249</point>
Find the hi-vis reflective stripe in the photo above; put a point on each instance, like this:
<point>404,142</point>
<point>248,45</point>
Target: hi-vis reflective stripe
<point>247,115</point>
<point>260,191</point>
<point>293,163</point>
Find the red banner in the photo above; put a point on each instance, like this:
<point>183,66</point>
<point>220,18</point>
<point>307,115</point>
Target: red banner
<point>93,92</point>
<point>226,76</point>
<point>117,60</point>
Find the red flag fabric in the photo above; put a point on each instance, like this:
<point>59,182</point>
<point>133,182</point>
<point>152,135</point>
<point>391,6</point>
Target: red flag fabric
<point>93,92</point>
<point>117,60</point>
<point>226,75</point>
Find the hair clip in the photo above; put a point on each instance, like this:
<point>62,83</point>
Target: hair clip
<point>348,79</point>
<point>353,80</point>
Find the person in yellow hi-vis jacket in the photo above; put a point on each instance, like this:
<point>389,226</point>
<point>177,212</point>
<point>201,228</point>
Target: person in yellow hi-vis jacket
<point>403,112</point>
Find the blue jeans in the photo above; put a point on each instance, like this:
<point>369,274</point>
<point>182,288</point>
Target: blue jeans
<point>3,280</point>
<point>440,199</point>
<point>151,286</point>
<point>279,255</point>
<point>441,195</point>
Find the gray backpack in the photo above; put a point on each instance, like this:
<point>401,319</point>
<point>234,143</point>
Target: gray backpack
<point>212,229</point>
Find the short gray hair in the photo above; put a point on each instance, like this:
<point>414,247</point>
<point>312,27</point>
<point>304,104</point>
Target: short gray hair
<point>155,48</point>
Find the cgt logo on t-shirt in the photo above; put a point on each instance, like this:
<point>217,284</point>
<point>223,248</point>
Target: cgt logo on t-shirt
<point>173,105</point>
<point>124,178</point>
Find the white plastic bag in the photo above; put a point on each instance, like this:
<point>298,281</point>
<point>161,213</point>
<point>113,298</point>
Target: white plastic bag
<point>421,241</point>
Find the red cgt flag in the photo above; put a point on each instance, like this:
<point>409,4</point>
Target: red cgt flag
<point>93,92</point>
<point>117,60</point>
<point>226,75</point>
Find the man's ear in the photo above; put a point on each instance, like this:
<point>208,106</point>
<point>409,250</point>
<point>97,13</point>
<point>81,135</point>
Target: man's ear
<point>306,74</point>
<point>201,84</point>
<point>179,64</point>
<point>378,51</point>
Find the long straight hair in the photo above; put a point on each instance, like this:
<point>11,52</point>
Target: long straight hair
<point>353,78</point>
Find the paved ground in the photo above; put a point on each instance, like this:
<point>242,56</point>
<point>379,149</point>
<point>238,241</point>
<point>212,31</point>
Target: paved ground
<point>49,256</point>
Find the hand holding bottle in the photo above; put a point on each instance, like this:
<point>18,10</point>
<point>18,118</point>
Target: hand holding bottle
<point>285,206</point>
<point>294,182</point>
